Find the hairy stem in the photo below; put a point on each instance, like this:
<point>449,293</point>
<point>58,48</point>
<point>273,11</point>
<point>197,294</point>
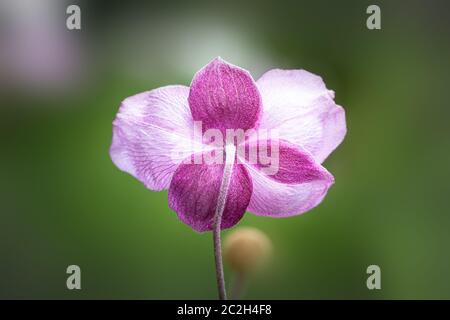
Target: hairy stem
<point>230,151</point>
<point>219,265</point>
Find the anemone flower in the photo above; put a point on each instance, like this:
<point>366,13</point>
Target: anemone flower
<point>227,145</point>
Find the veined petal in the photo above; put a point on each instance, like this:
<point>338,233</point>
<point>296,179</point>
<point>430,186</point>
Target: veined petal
<point>299,105</point>
<point>224,96</point>
<point>152,134</point>
<point>194,192</point>
<point>298,184</point>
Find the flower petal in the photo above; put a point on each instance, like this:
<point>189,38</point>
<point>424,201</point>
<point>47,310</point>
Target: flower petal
<point>152,134</point>
<point>224,96</point>
<point>298,185</point>
<point>298,104</point>
<point>194,191</point>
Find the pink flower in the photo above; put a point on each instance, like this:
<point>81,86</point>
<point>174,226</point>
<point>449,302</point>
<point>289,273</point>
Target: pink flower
<point>154,140</point>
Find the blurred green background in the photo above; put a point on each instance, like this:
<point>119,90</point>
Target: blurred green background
<point>63,201</point>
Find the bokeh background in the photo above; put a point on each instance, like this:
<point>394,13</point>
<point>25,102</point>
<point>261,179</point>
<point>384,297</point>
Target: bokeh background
<point>63,201</point>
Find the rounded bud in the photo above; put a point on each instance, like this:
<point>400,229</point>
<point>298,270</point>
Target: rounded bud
<point>247,249</point>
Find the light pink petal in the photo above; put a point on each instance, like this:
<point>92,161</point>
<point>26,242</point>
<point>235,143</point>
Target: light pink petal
<point>194,191</point>
<point>298,185</point>
<point>298,104</point>
<point>152,134</point>
<point>224,96</point>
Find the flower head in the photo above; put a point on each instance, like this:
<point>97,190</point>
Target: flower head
<point>247,249</point>
<point>267,139</point>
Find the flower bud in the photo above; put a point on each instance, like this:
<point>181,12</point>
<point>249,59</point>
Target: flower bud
<point>247,249</point>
